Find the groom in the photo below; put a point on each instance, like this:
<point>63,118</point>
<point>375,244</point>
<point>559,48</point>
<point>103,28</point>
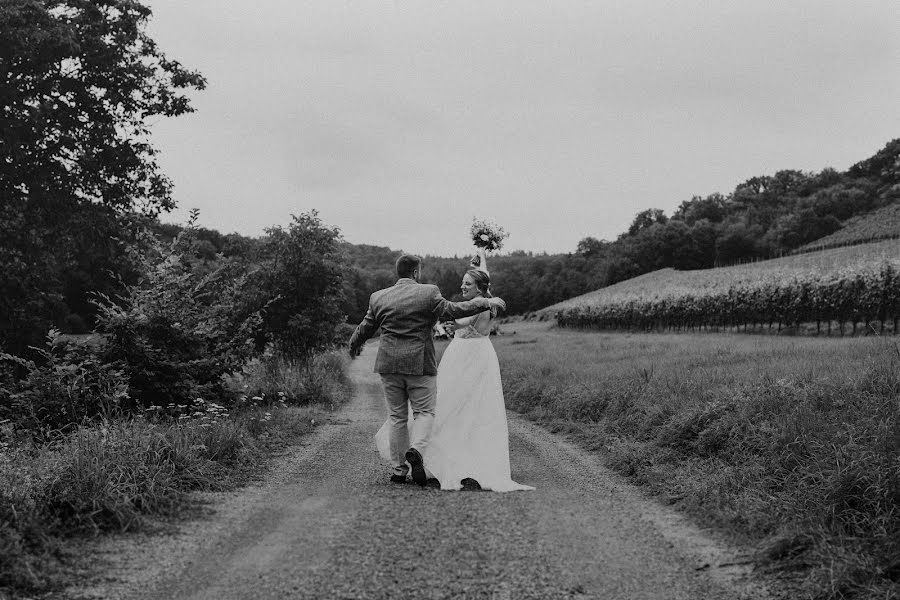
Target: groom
<point>406,314</point>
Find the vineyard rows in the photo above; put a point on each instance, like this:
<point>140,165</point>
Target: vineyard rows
<point>881,224</point>
<point>843,286</point>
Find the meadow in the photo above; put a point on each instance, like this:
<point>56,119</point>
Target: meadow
<point>789,444</point>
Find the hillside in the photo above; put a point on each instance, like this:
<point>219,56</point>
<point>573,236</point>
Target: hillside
<point>853,284</point>
<point>883,223</point>
<point>669,282</point>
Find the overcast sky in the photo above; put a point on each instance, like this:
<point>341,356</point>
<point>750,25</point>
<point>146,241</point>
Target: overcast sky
<point>400,121</point>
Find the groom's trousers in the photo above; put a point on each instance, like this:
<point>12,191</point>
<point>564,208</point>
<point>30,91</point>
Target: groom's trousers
<point>420,393</point>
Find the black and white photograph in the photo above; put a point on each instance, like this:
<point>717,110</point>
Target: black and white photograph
<point>432,300</point>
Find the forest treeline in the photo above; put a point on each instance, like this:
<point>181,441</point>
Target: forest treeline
<point>83,250</point>
<point>79,182</point>
<point>764,217</point>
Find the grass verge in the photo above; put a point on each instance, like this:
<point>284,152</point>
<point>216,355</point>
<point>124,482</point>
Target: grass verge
<point>120,474</point>
<point>789,444</point>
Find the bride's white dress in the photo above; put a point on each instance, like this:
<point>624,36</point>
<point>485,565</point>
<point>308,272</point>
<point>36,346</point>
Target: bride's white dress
<point>470,438</point>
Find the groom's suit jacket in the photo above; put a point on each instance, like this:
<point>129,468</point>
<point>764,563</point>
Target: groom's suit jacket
<point>406,314</point>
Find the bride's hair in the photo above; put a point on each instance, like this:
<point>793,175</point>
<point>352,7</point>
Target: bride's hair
<point>483,283</point>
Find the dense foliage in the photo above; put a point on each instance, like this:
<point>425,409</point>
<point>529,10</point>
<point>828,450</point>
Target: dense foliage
<point>183,326</point>
<point>302,271</point>
<point>178,330</point>
<point>80,82</point>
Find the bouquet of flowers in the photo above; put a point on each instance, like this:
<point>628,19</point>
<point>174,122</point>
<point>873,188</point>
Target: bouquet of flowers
<point>487,234</point>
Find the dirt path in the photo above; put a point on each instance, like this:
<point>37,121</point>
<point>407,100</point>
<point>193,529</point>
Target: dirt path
<point>328,524</point>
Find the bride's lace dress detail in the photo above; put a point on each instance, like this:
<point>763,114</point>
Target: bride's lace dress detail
<point>470,437</point>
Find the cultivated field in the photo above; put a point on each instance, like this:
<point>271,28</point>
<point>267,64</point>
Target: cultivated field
<point>854,284</point>
<point>789,443</point>
<point>880,224</point>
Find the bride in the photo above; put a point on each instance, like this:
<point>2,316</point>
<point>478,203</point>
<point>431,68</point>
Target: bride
<point>469,445</point>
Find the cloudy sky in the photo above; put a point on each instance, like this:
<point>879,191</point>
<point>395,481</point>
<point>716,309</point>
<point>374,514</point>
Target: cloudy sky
<point>399,121</point>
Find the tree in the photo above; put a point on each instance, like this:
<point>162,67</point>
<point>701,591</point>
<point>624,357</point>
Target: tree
<point>712,208</point>
<point>590,246</point>
<point>79,83</point>
<point>736,243</point>
<point>302,274</point>
<point>647,218</point>
<point>883,166</point>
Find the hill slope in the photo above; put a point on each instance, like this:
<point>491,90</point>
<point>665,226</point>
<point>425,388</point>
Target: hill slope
<point>669,282</point>
<point>843,285</point>
<point>883,223</point>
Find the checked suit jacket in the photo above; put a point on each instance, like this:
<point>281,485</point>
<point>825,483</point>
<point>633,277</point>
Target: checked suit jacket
<point>406,313</point>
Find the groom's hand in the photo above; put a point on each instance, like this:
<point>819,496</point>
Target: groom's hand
<point>497,303</point>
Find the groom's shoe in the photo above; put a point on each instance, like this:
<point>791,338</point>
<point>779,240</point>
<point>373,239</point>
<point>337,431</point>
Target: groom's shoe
<point>398,478</point>
<point>418,468</point>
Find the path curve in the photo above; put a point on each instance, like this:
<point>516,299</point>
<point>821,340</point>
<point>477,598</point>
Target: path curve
<point>327,523</point>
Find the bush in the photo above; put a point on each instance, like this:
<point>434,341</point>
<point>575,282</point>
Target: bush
<point>178,332</point>
<point>303,270</point>
<point>75,324</point>
<point>70,387</point>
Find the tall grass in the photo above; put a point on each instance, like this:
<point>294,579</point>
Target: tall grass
<point>119,474</point>
<point>321,379</point>
<point>792,444</point>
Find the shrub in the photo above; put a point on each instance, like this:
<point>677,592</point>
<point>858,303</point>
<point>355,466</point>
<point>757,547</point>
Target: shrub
<point>302,271</point>
<point>177,332</point>
<point>71,386</point>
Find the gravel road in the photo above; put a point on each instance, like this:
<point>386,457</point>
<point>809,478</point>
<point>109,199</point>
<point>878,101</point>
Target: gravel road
<point>327,523</point>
